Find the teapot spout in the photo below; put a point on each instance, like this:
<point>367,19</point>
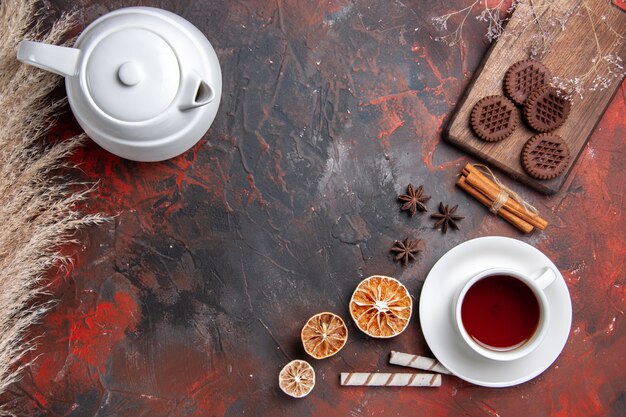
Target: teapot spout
<point>195,92</point>
<point>57,59</point>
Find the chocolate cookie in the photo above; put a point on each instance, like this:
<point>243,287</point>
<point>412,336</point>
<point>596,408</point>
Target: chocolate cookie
<point>546,109</point>
<point>524,77</point>
<point>493,118</point>
<point>545,156</point>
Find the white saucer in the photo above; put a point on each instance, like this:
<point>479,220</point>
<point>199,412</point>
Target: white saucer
<point>450,273</point>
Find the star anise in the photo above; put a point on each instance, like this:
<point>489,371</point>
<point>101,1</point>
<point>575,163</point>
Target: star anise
<point>405,250</point>
<point>414,199</point>
<point>446,217</point>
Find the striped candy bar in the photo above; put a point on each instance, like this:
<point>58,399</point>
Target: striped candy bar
<point>417,362</point>
<point>390,380</point>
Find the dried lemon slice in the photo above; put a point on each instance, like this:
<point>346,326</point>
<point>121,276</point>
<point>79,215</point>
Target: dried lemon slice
<point>381,306</point>
<point>297,378</point>
<point>323,335</point>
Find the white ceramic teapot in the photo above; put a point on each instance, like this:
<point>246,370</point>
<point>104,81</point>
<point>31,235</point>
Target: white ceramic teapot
<point>144,83</point>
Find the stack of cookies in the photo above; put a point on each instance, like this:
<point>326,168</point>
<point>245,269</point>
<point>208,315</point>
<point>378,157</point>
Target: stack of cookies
<point>526,84</point>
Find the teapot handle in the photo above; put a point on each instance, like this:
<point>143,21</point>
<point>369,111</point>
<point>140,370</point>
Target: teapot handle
<point>57,59</point>
<point>195,92</point>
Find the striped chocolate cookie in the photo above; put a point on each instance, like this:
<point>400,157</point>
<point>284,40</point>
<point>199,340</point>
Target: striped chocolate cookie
<point>546,109</point>
<point>545,156</point>
<point>524,77</point>
<point>494,118</point>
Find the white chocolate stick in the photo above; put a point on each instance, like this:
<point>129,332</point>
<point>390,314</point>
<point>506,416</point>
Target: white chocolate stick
<point>417,362</point>
<point>390,380</point>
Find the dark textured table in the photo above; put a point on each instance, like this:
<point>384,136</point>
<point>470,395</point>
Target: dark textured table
<point>192,299</point>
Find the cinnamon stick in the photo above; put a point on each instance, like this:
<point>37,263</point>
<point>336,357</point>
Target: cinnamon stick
<point>505,214</point>
<point>486,186</point>
<point>491,191</point>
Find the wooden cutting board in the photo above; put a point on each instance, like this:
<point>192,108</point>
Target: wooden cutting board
<point>570,54</point>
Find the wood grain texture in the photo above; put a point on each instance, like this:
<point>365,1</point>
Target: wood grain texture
<point>569,55</point>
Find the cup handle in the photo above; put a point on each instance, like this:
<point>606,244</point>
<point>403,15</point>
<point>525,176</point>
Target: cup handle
<point>544,276</point>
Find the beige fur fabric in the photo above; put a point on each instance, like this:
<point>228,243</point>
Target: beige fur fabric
<point>37,207</point>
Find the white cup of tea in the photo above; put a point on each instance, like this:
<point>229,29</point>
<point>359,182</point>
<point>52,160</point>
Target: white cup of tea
<point>503,314</point>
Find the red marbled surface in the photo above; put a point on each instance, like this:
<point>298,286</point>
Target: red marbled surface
<point>191,300</point>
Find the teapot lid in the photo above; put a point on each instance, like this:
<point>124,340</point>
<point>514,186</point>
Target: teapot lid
<point>132,74</point>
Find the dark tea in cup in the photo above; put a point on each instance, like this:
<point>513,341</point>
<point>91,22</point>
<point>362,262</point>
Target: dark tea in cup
<point>500,312</point>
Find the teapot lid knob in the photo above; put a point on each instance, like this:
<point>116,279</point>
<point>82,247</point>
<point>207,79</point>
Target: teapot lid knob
<point>130,74</point>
